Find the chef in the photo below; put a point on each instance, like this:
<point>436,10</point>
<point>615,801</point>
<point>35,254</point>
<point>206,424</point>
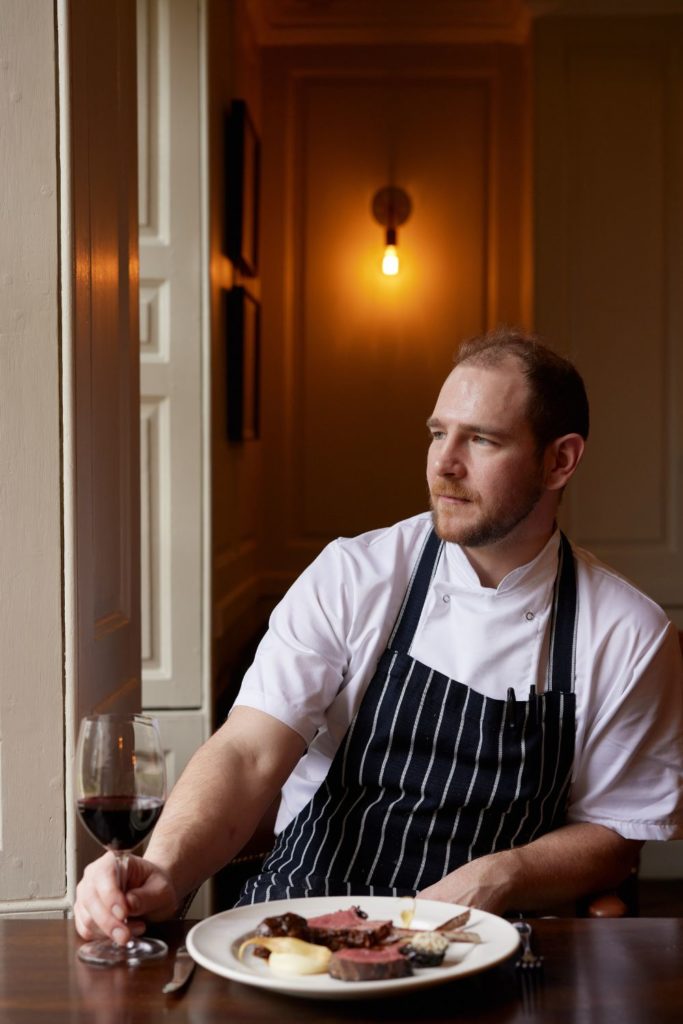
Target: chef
<point>463,705</point>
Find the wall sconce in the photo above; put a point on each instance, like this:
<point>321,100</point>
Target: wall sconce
<point>391,207</point>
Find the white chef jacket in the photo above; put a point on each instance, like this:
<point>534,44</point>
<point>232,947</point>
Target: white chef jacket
<point>327,634</point>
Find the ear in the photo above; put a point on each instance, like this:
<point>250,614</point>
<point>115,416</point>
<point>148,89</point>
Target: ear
<point>561,459</point>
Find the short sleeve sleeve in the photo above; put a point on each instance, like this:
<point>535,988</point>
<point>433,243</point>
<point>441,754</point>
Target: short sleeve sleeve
<point>301,662</point>
<point>629,772</point>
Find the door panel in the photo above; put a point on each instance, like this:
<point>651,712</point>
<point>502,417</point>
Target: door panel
<point>170,163</point>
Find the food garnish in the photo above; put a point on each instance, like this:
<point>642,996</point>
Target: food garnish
<point>471,937</point>
<point>408,911</point>
<point>426,949</point>
<point>451,929</point>
<point>453,923</point>
<point>290,957</point>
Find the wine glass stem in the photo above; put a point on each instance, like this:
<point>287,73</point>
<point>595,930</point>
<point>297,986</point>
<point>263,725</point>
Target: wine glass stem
<point>121,859</point>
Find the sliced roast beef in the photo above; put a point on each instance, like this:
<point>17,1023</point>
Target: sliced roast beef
<point>369,964</point>
<point>347,928</point>
<point>340,919</point>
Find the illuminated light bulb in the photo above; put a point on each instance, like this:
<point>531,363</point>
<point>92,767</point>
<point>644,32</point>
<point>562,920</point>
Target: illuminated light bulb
<point>390,261</point>
<point>391,207</point>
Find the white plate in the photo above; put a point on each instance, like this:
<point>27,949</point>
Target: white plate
<point>213,943</point>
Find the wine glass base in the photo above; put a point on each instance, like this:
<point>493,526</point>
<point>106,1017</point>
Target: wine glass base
<point>104,953</point>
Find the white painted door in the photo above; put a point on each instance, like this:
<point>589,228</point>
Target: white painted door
<point>170,114</point>
<point>173,360</point>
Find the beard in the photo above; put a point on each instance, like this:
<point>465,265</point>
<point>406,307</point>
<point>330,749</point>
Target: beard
<point>493,524</point>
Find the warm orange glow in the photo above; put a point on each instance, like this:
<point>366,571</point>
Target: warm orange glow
<point>390,261</point>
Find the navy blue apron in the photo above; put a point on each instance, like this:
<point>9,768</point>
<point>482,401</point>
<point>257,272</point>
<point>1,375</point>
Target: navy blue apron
<point>432,774</point>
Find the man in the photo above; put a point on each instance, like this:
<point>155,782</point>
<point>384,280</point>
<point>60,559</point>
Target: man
<point>460,706</point>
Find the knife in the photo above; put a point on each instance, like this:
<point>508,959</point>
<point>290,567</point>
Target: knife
<point>182,971</point>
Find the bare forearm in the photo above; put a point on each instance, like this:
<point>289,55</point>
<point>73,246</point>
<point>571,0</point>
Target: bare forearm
<point>570,862</point>
<point>199,830</point>
<point>221,796</point>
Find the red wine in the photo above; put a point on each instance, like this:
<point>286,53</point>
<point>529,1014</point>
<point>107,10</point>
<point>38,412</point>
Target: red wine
<point>120,822</point>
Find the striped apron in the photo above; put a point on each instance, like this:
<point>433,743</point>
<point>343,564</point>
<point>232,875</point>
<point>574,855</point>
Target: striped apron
<point>432,774</point>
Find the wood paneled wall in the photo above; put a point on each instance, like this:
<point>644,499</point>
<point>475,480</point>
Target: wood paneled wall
<point>236,467</point>
<point>106,356</point>
<point>609,262</point>
<point>353,360</point>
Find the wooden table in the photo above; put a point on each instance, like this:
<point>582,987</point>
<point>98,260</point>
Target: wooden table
<point>628,971</point>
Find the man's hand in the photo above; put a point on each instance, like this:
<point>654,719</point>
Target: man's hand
<point>102,909</point>
<point>483,883</point>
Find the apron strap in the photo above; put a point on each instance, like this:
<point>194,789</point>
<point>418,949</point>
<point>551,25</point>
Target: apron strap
<point>563,623</point>
<point>411,609</point>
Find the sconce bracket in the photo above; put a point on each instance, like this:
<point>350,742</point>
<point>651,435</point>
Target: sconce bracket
<point>391,206</point>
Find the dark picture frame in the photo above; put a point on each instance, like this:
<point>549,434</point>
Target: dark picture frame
<point>242,151</point>
<point>242,318</point>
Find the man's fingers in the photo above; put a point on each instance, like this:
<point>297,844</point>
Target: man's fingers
<point>154,895</point>
<point>84,923</point>
<point>100,905</point>
<point>134,903</point>
<point>94,920</point>
<point>87,929</point>
<point>103,909</point>
<point>155,899</point>
<point>98,918</point>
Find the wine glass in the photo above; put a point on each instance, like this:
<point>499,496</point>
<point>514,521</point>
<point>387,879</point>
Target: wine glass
<point>121,787</point>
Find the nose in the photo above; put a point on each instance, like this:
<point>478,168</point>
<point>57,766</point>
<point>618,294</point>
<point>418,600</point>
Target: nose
<point>449,460</point>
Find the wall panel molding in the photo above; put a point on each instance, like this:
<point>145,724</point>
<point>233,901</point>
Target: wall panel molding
<point>155,505</point>
<point>153,31</point>
<point>230,606</point>
<point>155,303</point>
<point>609,260</point>
<point>297,22</point>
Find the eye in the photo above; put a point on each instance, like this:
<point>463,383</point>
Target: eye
<point>436,434</point>
<point>479,439</point>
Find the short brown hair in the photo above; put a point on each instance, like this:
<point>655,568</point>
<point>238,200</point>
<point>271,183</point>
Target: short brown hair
<point>558,403</point>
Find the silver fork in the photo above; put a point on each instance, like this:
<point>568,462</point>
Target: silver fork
<point>529,969</point>
<point>528,961</point>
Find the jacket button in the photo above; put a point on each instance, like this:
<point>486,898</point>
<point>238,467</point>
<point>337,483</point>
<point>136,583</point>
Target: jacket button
<point>529,616</point>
